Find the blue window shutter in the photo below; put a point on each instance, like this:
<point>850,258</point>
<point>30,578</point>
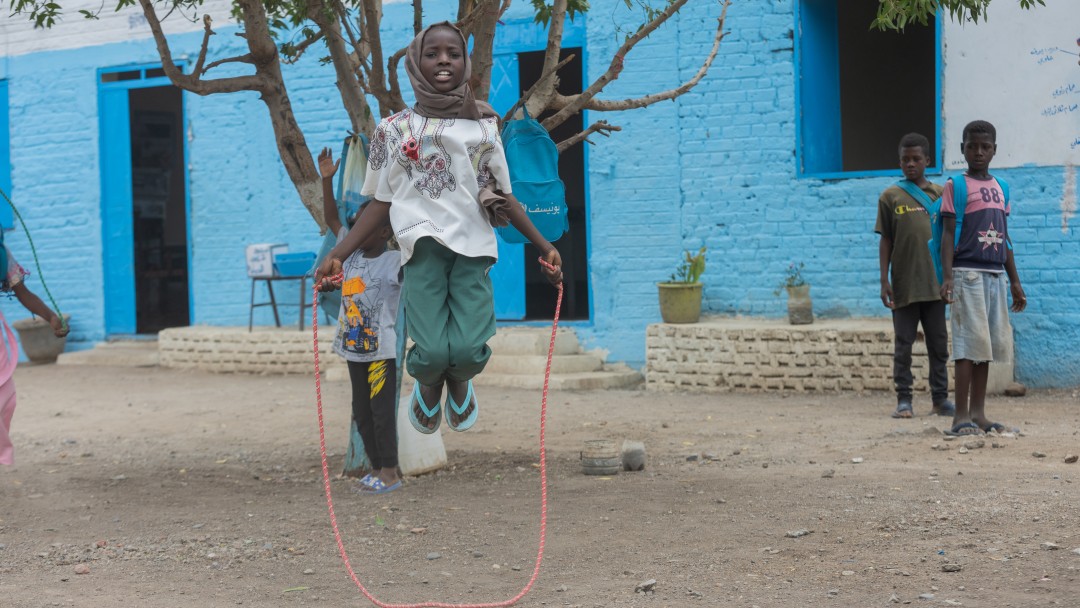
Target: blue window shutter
<point>818,73</point>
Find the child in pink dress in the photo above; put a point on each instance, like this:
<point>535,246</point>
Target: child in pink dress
<point>9,350</point>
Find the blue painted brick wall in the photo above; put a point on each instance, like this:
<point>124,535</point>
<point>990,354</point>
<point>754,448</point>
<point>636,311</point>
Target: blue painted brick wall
<point>715,167</point>
<point>734,189</point>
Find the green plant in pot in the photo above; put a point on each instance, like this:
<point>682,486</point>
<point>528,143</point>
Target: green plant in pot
<point>800,307</point>
<point>680,296</point>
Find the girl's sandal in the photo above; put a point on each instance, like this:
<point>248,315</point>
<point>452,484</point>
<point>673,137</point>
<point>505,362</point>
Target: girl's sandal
<point>364,484</point>
<point>459,410</point>
<point>432,413</point>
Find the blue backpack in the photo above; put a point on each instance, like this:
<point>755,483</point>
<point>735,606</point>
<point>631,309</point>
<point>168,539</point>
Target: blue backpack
<point>534,178</point>
<point>934,209</point>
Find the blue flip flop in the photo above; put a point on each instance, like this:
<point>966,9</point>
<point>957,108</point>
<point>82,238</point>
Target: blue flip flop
<point>431,412</point>
<point>378,487</point>
<point>470,397</point>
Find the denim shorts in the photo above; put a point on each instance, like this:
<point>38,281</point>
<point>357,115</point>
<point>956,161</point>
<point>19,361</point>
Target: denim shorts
<point>981,331</point>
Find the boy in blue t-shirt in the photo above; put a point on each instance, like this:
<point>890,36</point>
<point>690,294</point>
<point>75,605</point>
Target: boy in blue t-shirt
<point>974,272</point>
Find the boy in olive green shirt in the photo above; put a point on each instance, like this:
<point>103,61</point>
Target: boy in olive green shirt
<point>913,294</point>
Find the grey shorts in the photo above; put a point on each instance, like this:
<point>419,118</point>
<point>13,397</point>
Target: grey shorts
<point>981,331</point>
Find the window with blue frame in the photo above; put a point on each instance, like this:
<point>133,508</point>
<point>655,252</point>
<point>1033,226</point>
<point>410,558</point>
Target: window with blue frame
<point>859,90</point>
<point>6,216</point>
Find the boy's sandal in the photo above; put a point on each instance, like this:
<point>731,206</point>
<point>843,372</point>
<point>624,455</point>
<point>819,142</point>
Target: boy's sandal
<point>470,398</point>
<point>903,410</point>
<point>432,413</point>
<point>995,427</point>
<point>945,408</point>
<point>964,429</point>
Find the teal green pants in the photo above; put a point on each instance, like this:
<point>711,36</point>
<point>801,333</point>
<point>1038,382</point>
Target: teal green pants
<point>449,312</point>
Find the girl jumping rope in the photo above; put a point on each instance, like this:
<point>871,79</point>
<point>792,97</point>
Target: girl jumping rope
<point>438,171</point>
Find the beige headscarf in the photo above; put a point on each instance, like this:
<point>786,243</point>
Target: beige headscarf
<point>458,103</point>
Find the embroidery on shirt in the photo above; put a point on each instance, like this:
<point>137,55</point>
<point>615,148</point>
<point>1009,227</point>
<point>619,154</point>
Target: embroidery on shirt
<point>480,154</point>
<point>429,167</point>
<point>378,156</point>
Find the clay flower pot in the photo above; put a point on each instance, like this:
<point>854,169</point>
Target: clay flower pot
<point>800,309</point>
<point>680,302</point>
<point>38,340</point>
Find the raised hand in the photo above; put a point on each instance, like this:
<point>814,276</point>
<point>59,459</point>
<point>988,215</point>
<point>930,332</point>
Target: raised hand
<point>327,165</point>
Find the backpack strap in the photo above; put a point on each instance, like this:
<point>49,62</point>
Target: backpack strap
<point>916,193</point>
<point>959,203</point>
<point>1005,193</point>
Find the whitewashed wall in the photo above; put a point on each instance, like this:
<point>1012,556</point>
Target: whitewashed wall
<point>1021,71</point>
<point>18,36</point>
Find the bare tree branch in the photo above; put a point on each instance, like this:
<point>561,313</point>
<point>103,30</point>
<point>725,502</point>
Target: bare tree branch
<point>417,17</point>
<point>601,126</point>
<point>267,81</point>
<point>192,82</point>
<point>369,33</point>
<point>352,97</point>
<point>550,82</point>
<point>525,98</point>
<point>483,40</point>
<point>576,103</point>
<point>246,58</point>
<point>207,32</point>
<point>298,50</point>
<point>391,74</point>
<point>647,100</point>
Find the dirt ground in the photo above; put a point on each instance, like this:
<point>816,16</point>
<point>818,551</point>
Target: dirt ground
<point>181,489</point>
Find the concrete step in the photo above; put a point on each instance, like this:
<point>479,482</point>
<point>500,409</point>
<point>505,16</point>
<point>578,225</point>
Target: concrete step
<point>534,364</point>
<point>601,379</point>
<point>532,341</point>
<point>125,353</point>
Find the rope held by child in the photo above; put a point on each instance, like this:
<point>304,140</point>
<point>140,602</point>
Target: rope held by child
<point>41,277</point>
<point>543,470</point>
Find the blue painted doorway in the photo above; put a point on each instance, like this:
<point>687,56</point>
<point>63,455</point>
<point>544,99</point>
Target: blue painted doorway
<point>143,202</point>
<point>521,293</point>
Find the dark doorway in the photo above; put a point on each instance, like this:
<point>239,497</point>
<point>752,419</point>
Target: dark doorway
<point>159,209</point>
<point>573,246</point>
<point>887,87</point>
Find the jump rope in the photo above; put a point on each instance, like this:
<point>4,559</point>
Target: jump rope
<point>543,469</point>
<point>41,277</point>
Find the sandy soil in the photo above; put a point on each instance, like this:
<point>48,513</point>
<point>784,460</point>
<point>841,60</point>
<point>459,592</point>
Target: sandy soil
<point>182,489</point>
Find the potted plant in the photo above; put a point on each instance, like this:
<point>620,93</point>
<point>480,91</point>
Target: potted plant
<point>799,306</point>
<point>680,296</point>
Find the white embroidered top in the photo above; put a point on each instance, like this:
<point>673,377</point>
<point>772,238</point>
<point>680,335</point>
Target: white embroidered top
<point>431,170</point>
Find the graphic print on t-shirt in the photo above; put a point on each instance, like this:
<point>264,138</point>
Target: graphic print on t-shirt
<point>360,324</point>
<point>990,237</point>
